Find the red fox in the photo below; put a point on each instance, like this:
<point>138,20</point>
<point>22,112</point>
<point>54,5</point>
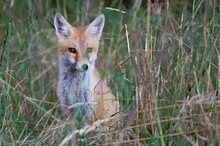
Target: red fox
<point>79,80</point>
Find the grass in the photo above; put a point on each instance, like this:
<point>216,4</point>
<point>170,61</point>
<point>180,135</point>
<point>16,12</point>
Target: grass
<point>163,64</point>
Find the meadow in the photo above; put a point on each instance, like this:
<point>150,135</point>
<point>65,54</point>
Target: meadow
<point>161,60</point>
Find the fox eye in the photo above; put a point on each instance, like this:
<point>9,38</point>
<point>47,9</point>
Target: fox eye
<point>89,50</point>
<point>72,50</point>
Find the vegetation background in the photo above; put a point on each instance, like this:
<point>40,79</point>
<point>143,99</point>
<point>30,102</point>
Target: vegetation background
<point>160,58</point>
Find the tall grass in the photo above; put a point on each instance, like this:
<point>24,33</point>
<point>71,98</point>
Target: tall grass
<point>161,60</point>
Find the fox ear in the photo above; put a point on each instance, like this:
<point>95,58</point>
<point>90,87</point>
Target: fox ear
<point>62,27</point>
<point>95,28</point>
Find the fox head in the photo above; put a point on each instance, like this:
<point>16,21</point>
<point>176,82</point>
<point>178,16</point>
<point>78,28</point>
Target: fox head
<point>78,47</point>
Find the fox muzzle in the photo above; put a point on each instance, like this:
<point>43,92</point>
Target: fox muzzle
<point>84,67</point>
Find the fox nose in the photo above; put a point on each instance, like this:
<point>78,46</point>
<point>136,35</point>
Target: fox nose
<point>84,67</point>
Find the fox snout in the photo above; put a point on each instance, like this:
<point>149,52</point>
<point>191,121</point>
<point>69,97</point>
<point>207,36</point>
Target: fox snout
<point>85,67</point>
<point>80,66</point>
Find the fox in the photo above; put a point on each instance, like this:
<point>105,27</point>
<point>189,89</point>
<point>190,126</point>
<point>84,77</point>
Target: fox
<point>79,81</point>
